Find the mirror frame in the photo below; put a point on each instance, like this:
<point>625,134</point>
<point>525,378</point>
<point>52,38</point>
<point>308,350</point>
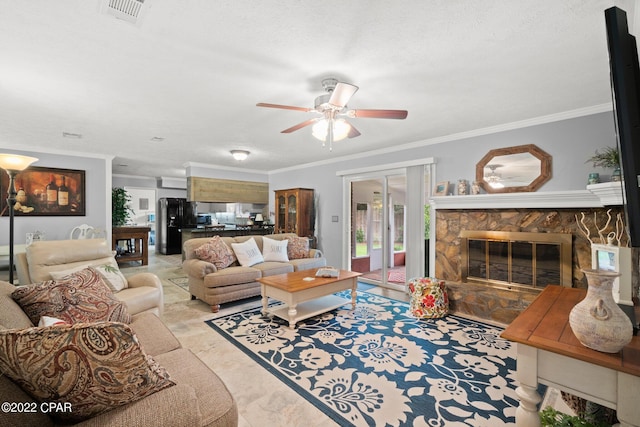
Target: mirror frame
<point>545,168</point>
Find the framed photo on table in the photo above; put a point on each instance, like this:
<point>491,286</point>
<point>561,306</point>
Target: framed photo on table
<point>46,192</point>
<point>441,189</point>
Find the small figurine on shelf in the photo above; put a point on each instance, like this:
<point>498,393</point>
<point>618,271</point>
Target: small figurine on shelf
<point>475,188</point>
<point>463,187</point>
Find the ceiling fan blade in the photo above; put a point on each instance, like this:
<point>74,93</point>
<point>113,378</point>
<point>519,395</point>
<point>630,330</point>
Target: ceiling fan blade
<point>342,94</point>
<point>301,125</point>
<point>284,107</point>
<point>353,132</point>
<point>379,114</point>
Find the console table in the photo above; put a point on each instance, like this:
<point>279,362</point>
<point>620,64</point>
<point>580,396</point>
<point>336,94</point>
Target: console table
<point>137,239</point>
<point>549,353</point>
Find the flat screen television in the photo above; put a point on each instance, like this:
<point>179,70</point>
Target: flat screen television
<point>616,259</point>
<point>625,84</point>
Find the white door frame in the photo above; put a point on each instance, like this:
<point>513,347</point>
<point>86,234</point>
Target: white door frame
<point>415,221</point>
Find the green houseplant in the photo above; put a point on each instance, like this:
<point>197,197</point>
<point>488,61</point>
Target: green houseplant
<point>550,417</point>
<point>608,158</point>
<point>121,212</point>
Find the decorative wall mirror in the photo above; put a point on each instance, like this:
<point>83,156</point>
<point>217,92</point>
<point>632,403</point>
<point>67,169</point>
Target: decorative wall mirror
<point>514,169</point>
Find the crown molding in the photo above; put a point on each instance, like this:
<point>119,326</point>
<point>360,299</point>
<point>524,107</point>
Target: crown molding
<point>565,115</point>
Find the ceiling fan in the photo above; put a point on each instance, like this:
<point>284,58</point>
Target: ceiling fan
<point>332,107</point>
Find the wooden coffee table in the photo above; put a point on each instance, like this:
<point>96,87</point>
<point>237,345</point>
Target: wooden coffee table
<point>306,295</point>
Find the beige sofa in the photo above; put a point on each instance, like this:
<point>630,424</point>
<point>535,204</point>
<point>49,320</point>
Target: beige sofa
<point>143,292</point>
<point>199,397</point>
<point>218,286</point>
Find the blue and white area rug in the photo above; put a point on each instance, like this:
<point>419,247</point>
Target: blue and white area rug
<point>378,365</point>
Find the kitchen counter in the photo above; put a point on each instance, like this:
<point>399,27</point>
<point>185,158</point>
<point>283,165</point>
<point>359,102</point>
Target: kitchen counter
<point>226,231</point>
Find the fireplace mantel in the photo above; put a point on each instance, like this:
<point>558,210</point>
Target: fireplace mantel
<point>595,196</point>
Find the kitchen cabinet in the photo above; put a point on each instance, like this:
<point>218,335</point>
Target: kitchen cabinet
<point>295,211</point>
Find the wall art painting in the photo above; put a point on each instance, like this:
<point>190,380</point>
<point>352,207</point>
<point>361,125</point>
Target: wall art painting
<point>45,192</point>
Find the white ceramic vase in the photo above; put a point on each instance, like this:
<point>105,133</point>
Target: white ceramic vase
<point>597,321</point>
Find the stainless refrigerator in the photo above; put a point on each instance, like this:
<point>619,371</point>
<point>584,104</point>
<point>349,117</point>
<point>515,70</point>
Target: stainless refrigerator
<point>172,216</point>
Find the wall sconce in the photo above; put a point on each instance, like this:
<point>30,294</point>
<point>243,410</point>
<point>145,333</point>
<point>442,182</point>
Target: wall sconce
<point>240,155</point>
<point>13,163</point>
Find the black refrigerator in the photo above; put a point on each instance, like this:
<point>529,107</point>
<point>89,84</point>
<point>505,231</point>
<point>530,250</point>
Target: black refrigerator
<point>172,216</point>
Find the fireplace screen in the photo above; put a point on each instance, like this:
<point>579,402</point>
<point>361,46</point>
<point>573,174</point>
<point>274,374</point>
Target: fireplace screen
<point>521,259</point>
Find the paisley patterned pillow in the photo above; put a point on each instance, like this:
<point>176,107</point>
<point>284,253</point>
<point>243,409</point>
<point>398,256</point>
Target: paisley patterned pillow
<point>92,368</point>
<point>298,247</point>
<point>217,252</point>
<point>79,297</point>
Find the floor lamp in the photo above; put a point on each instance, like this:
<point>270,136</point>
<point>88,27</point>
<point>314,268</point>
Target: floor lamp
<point>13,163</point>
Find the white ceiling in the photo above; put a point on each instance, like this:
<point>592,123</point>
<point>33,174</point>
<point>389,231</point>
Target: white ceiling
<point>193,70</point>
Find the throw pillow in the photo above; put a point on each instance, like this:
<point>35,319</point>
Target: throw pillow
<point>80,297</point>
<point>217,252</point>
<point>274,250</point>
<point>247,253</point>
<point>112,275</point>
<point>51,321</point>
<point>298,247</point>
<point>92,368</point>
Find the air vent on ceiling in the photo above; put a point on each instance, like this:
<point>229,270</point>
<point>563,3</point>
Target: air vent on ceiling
<point>127,10</point>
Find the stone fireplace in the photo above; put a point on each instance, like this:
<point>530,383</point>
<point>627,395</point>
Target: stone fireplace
<point>500,301</point>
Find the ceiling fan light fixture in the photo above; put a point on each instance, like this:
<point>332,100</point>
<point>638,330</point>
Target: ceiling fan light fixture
<point>494,179</point>
<point>340,129</point>
<point>240,155</point>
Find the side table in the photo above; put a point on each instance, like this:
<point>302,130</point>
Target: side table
<point>549,353</point>
<point>139,238</point>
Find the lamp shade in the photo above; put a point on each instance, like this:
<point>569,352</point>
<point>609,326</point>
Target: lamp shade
<point>259,217</point>
<point>15,162</point>
<point>340,129</point>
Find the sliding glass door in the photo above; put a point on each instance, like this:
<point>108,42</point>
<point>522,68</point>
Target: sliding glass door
<point>377,229</point>
<point>387,222</point>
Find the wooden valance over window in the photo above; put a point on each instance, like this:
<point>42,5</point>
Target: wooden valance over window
<point>226,191</point>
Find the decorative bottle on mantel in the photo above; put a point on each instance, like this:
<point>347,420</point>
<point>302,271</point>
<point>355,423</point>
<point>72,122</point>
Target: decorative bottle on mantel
<point>597,321</point>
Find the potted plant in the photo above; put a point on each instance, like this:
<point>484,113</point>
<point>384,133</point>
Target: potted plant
<point>550,417</point>
<point>609,157</point>
<point>121,212</point>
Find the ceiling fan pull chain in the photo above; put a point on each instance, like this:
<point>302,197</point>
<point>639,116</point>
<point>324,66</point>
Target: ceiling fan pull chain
<point>330,133</point>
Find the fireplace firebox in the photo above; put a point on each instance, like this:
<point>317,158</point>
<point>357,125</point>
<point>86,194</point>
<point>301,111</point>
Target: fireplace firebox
<point>524,260</point>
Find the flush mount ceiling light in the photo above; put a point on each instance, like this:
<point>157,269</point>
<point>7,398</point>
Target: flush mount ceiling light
<point>240,155</point>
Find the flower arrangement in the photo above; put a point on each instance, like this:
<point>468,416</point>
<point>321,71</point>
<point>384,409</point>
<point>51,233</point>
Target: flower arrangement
<point>609,157</point>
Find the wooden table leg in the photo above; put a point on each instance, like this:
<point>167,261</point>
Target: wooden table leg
<point>354,287</point>
<point>527,373</point>
<point>292,313</point>
<point>265,299</point>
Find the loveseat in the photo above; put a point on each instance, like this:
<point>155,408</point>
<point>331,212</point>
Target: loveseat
<point>197,398</point>
<point>42,260</point>
<point>217,286</point>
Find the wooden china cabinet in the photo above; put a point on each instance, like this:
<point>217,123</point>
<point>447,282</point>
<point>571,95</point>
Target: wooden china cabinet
<point>295,212</point>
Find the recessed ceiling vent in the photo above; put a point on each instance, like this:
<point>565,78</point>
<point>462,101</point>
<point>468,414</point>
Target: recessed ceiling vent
<point>128,10</point>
